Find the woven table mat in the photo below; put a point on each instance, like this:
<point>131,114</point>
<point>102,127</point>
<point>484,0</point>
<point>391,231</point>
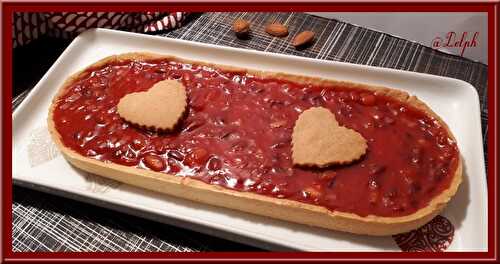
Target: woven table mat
<point>42,222</point>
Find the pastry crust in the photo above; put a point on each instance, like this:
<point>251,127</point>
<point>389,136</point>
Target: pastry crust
<point>284,209</point>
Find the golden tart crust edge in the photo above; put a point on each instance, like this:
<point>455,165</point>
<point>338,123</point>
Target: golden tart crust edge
<point>283,209</point>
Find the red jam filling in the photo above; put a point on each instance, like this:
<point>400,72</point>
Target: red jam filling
<point>237,134</point>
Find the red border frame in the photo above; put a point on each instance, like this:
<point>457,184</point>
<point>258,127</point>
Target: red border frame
<point>490,7</point>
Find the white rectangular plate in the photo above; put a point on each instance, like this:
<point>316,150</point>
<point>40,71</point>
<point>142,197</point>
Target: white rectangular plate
<point>36,163</point>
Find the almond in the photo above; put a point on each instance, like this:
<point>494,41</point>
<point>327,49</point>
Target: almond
<point>241,28</point>
<point>154,162</point>
<point>303,38</point>
<point>277,30</point>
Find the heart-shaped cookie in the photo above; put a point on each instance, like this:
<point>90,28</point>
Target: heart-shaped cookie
<point>158,108</point>
<point>319,141</point>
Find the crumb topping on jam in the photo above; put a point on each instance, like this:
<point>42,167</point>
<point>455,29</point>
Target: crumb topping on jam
<point>237,134</point>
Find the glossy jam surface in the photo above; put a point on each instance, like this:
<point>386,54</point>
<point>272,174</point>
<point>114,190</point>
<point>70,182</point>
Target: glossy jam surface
<point>237,134</point>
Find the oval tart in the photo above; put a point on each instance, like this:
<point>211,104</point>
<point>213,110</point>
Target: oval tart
<point>338,155</point>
